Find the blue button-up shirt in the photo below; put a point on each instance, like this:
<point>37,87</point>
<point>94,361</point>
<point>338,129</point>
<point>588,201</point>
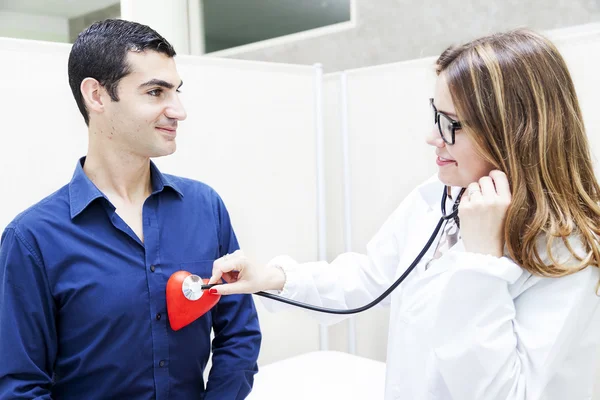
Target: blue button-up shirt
<point>82,300</point>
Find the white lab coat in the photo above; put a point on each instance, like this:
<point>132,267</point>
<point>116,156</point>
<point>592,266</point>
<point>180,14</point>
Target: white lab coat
<point>470,326</point>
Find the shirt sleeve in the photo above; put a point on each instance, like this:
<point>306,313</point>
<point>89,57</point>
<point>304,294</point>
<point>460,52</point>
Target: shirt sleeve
<point>27,321</point>
<point>489,346</point>
<point>237,338</point>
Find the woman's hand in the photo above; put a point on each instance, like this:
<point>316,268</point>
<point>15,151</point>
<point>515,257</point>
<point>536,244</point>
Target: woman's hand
<point>244,276</point>
<point>482,212</point>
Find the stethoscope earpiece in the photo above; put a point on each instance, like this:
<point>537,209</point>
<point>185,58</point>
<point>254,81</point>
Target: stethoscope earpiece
<point>454,214</point>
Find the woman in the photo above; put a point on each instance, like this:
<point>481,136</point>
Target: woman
<point>504,304</point>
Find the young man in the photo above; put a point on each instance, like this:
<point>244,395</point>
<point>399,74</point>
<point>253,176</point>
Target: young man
<point>83,273</point>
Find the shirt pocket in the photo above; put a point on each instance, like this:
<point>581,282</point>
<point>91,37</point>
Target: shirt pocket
<point>202,268</point>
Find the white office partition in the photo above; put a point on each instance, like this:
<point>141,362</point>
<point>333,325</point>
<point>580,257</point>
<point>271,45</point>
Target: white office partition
<point>341,335</point>
<point>387,118</point>
<point>581,50</point>
<point>43,133</point>
<point>582,55</point>
<point>332,115</point>
<point>250,134</point>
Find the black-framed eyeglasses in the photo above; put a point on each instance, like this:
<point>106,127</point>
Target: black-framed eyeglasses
<point>446,125</point>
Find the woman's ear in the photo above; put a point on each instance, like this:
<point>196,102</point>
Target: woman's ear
<point>91,90</point>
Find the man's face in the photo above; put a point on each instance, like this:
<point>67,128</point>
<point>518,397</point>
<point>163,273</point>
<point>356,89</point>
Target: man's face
<point>144,120</point>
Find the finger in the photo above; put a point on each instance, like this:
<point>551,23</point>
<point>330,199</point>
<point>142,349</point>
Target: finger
<point>238,253</point>
<point>223,266</point>
<point>239,287</point>
<point>487,187</point>
<point>501,182</point>
<point>216,274</point>
<point>215,278</point>
<point>229,262</point>
<point>474,192</point>
<point>231,277</point>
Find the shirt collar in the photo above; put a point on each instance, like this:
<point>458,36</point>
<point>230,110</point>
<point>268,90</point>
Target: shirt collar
<point>82,191</point>
<point>160,181</point>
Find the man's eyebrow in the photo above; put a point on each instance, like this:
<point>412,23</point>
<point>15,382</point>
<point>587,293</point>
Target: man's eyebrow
<point>161,83</point>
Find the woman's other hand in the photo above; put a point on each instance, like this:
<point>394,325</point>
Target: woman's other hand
<point>482,213</point>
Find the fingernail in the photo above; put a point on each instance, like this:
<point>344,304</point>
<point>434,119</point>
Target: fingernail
<point>213,291</point>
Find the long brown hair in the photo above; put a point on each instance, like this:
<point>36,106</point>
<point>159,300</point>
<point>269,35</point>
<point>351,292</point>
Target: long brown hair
<point>514,96</point>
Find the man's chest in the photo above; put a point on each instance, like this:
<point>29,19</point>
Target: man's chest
<point>99,259</point>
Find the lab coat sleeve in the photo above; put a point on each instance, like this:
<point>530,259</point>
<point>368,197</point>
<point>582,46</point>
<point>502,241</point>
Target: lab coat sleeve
<point>489,346</point>
<point>351,280</point>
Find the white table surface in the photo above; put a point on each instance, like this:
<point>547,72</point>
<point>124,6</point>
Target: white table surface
<point>320,375</point>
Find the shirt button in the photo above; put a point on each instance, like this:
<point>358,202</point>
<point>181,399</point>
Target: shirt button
<point>158,317</point>
<point>161,364</point>
<point>152,268</point>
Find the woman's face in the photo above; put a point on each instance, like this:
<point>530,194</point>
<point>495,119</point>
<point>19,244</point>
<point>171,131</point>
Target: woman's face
<point>459,164</point>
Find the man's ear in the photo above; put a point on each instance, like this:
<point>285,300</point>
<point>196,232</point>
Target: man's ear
<point>92,94</point>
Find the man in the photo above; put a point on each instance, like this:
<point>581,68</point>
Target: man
<point>83,272</point>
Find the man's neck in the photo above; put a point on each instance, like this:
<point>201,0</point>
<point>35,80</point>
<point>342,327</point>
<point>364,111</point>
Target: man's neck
<point>124,176</point>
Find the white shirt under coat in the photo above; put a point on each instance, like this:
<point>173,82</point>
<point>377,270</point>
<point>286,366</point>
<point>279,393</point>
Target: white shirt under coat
<point>469,326</point>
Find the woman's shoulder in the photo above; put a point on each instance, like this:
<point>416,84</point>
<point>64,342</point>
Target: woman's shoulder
<point>567,254</point>
<point>563,252</point>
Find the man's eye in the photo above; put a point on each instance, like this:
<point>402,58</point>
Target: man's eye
<point>155,92</point>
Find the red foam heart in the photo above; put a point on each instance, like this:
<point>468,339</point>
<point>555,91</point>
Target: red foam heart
<point>181,310</point>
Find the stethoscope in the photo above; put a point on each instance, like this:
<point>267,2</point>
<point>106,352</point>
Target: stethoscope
<point>445,217</point>
<point>186,298</point>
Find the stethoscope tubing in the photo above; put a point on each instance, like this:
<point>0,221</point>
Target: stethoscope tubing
<point>411,267</point>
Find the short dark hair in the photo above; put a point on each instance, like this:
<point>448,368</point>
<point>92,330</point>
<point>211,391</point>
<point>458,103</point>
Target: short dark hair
<point>100,52</point>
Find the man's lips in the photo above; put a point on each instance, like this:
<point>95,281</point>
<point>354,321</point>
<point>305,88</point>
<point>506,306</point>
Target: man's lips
<point>168,129</point>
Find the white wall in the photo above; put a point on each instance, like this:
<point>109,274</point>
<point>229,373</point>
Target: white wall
<point>37,27</point>
<point>170,18</point>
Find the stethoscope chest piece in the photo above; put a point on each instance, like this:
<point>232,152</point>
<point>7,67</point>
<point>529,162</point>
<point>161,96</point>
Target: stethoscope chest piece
<point>186,301</point>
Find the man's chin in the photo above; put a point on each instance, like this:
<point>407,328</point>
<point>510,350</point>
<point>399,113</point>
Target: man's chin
<point>164,152</point>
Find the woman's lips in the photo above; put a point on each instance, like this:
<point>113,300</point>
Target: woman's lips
<point>441,161</point>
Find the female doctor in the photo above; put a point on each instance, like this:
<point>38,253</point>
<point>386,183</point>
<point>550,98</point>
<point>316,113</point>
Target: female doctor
<point>504,304</point>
